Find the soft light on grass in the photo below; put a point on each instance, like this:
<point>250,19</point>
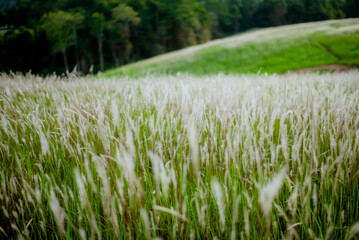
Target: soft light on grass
<point>180,157</point>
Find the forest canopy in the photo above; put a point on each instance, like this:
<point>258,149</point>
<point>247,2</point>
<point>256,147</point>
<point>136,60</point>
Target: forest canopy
<point>46,36</point>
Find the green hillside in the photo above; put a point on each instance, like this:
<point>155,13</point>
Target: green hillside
<point>270,50</point>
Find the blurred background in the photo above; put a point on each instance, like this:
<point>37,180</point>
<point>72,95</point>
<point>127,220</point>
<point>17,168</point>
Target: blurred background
<point>47,36</point>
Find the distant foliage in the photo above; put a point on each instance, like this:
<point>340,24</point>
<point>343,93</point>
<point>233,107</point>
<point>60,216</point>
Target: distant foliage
<point>110,33</point>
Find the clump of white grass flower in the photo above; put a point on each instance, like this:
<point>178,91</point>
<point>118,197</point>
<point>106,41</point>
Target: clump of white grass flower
<point>218,194</point>
<point>58,213</point>
<point>269,192</point>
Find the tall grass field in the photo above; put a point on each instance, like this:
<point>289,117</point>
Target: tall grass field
<point>180,157</point>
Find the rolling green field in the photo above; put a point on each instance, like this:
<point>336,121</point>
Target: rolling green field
<point>273,50</point>
<point>180,157</point>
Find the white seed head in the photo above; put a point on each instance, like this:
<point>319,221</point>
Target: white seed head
<point>269,192</point>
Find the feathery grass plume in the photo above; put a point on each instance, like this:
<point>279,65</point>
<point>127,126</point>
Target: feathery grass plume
<point>162,179</point>
<point>94,227</point>
<point>269,192</point>
<point>146,222</point>
<point>5,212</point>
<point>105,188</point>
<point>114,112</point>
<point>218,194</point>
<point>247,223</point>
<point>3,231</point>
<point>193,144</point>
<point>13,185</point>
<point>235,217</point>
<point>58,213</point>
<point>328,232</point>
<point>293,200</point>
<point>82,234</point>
<point>201,210</point>
<point>127,164</point>
<point>284,141</point>
<point>89,175</point>
<point>171,212</point>
<point>354,230</point>
<point>315,199</point>
<point>8,92</point>
<point>44,143</point>
<point>81,188</point>
<point>4,124</point>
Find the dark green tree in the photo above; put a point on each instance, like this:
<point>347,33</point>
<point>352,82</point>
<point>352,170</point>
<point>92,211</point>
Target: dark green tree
<point>271,13</point>
<point>97,26</point>
<point>123,18</point>
<point>58,27</point>
<point>77,21</point>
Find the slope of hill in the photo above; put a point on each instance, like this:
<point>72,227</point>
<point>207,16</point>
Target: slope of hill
<point>271,50</point>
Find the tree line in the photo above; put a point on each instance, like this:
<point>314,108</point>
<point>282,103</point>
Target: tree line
<point>55,36</point>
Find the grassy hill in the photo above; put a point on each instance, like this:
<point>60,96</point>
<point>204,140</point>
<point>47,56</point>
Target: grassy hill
<point>271,50</point>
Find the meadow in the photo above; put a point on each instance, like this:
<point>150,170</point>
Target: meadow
<point>269,50</point>
<point>213,157</point>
